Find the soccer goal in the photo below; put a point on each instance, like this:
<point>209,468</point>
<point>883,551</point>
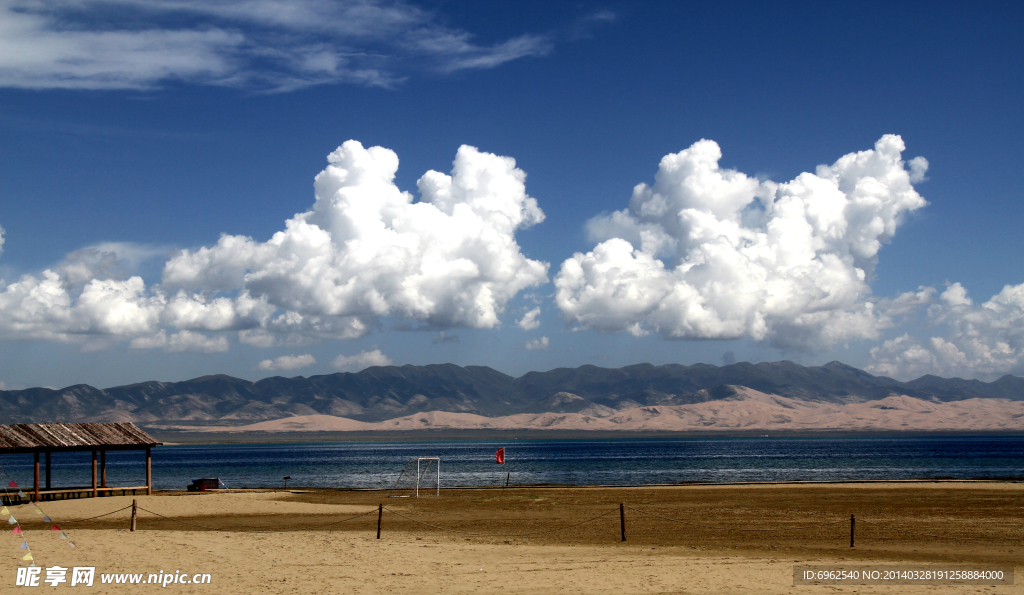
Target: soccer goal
<point>419,472</point>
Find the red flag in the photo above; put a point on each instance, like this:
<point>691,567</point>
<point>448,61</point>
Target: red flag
<point>500,456</point>
<point>12,484</point>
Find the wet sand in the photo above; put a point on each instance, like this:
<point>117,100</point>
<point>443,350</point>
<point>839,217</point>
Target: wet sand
<point>680,539</point>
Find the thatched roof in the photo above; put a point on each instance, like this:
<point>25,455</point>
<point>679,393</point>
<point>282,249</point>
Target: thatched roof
<point>69,437</point>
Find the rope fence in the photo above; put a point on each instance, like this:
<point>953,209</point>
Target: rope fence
<point>621,508</point>
<point>651,514</point>
<point>208,528</point>
<point>555,530</point>
<point>900,529</point>
<point>99,515</point>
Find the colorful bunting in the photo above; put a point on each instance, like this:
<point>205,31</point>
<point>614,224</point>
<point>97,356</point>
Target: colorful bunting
<point>4,510</point>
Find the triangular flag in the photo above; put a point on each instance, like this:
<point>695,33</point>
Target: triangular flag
<point>22,494</point>
<point>63,535</point>
<point>12,520</point>
<point>24,545</point>
<point>17,531</point>
<point>47,519</point>
<point>55,528</point>
<point>39,511</point>
<point>28,556</point>
<point>4,511</point>
<point>12,484</point>
<point>72,544</point>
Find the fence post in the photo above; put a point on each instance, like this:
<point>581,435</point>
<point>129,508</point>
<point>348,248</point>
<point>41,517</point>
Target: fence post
<point>134,508</point>
<point>853,521</point>
<point>380,513</point>
<point>622,520</point>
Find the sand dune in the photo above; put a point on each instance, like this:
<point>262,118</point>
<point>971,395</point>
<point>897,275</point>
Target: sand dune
<point>747,410</point>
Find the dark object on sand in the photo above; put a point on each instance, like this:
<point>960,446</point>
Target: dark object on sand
<point>207,483</point>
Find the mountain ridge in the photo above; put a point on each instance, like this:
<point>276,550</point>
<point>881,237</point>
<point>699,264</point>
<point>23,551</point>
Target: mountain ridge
<point>384,392</point>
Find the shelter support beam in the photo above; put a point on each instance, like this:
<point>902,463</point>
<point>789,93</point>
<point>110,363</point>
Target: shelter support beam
<point>149,471</point>
<point>35,484</point>
<point>94,490</point>
<point>48,453</point>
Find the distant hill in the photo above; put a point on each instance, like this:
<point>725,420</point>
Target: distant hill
<point>388,392</point>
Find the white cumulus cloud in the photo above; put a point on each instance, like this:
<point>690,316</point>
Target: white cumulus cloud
<point>180,342</point>
<point>107,260</point>
<point>257,338</point>
<point>287,362</point>
<point>360,361</point>
<point>367,250</point>
<point>712,253</point>
<point>537,344</point>
<point>364,254</point>
<point>529,321</point>
<point>43,308</point>
<point>981,340</point>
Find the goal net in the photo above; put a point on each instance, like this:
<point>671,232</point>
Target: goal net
<point>420,474</point>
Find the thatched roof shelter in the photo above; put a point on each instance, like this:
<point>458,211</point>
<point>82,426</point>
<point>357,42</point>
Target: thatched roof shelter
<point>72,437</point>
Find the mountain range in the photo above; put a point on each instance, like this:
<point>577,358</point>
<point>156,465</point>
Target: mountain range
<point>388,392</point>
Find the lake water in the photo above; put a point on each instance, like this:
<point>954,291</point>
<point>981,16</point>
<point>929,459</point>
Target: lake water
<point>575,462</point>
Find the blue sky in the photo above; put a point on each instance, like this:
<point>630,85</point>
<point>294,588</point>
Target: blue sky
<point>149,153</point>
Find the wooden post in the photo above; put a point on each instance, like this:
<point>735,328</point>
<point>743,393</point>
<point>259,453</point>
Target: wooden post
<point>507,479</point>
<point>36,457</point>
<point>622,520</point>
<point>149,471</point>
<point>103,470</point>
<point>48,469</point>
<point>853,521</point>
<point>380,513</point>
<point>134,512</point>
<point>94,492</point>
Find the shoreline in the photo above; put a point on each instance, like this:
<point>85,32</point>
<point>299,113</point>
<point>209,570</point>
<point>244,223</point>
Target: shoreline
<point>173,437</point>
<point>690,484</point>
<point>1002,482</point>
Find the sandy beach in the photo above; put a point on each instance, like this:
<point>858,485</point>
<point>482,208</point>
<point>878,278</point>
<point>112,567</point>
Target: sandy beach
<point>680,539</point>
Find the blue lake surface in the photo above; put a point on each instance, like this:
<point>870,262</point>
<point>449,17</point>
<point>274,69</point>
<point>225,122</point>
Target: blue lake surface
<point>575,462</point>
